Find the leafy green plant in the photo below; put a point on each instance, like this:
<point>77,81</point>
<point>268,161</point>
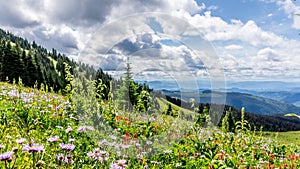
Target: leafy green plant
<point>228,122</point>
<point>242,125</point>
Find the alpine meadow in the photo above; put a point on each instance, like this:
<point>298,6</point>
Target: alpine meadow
<point>124,96</point>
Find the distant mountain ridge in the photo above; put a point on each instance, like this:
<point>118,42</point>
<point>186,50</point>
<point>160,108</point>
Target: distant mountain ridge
<point>292,97</point>
<point>275,122</point>
<point>254,104</point>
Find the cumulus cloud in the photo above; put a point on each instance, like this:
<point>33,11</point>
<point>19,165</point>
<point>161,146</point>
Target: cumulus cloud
<point>268,55</point>
<point>289,8</point>
<point>114,29</point>
<point>142,41</point>
<point>233,47</point>
<point>18,14</point>
<point>79,13</point>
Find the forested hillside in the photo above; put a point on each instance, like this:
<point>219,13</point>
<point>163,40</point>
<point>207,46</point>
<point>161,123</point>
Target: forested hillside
<point>275,122</point>
<point>39,67</point>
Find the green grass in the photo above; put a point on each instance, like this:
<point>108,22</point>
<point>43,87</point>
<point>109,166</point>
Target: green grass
<point>163,105</point>
<point>53,61</point>
<point>291,137</point>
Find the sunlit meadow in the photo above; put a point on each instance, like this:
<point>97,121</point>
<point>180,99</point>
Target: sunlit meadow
<point>40,129</point>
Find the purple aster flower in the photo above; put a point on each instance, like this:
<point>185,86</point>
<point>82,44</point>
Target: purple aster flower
<point>34,148</point>
<point>90,128</point>
<point>90,154</point>
<point>26,100</point>
<point>113,137</point>
<point>53,139</point>
<point>58,107</point>
<point>120,165</point>
<point>123,146</point>
<point>98,154</point>
<point>60,157</point>
<point>103,153</point>
<point>13,93</point>
<point>21,141</point>
<point>81,129</point>
<point>69,129</point>
<point>68,159</point>
<point>103,143</point>
<point>6,156</point>
<point>67,147</point>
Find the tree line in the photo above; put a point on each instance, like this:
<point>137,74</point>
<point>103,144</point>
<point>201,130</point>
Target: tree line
<point>38,67</point>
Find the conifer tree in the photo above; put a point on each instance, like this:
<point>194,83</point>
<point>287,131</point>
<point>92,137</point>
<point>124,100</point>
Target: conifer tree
<point>2,45</point>
<point>228,122</point>
<point>12,64</point>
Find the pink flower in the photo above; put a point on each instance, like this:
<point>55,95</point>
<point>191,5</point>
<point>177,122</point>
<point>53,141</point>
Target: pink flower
<point>34,148</point>
<point>67,147</point>
<point>53,139</point>
<point>6,156</point>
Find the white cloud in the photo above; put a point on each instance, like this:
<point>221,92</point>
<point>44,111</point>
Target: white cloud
<point>291,9</point>
<point>288,7</point>
<point>296,23</point>
<point>233,47</point>
<point>244,48</point>
<point>211,8</point>
<point>267,55</point>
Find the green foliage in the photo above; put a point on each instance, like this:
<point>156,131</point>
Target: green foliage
<point>143,101</point>
<point>169,110</point>
<point>130,95</point>
<point>203,117</point>
<point>228,122</point>
<point>69,80</point>
<point>242,125</point>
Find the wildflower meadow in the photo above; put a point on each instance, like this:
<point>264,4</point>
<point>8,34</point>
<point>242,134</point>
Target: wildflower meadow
<point>41,129</point>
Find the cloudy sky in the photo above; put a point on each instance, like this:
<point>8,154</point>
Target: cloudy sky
<point>240,39</point>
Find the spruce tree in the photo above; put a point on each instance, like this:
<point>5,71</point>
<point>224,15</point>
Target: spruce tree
<point>31,70</point>
<point>2,45</point>
<point>12,64</point>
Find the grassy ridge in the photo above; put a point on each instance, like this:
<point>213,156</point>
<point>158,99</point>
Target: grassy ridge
<point>285,137</point>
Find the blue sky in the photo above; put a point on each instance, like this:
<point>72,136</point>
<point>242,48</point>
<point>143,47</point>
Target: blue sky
<point>266,15</point>
<point>241,40</point>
